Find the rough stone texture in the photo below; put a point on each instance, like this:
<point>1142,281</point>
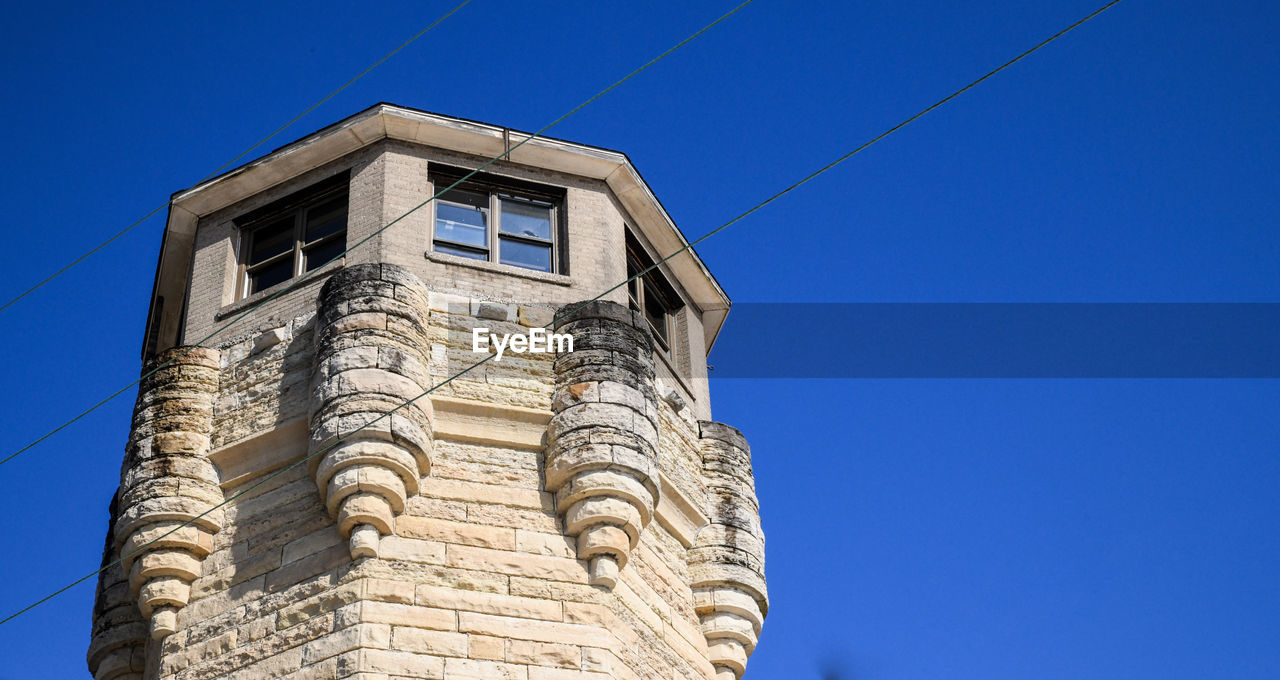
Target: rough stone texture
<point>726,563</point>
<point>458,542</point>
<point>168,481</point>
<point>371,432</point>
<point>118,646</point>
<point>602,442</point>
<point>263,386</point>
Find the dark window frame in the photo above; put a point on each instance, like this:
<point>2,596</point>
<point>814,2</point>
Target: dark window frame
<point>296,207</point>
<point>651,293</point>
<point>497,189</point>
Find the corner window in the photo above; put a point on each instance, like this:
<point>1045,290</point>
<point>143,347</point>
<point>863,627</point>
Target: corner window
<point>293,236</point>
<point>499,220</point>
<point>651,295</point>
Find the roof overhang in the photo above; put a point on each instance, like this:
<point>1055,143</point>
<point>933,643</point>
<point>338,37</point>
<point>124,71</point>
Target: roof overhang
<point>388,121</point>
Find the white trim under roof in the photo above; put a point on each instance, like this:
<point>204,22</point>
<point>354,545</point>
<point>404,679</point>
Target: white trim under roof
<point>387,121</point>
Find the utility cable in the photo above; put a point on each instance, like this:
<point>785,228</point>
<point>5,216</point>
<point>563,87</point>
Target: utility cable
<point>488,357</point>
<point>307,276</point>
<point>238,156</point>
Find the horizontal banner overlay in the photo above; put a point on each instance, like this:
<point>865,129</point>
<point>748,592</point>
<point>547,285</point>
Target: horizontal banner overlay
<point>999,340</point>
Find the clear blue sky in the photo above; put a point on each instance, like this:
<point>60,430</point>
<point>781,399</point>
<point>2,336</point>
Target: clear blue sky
<point>917,529</point>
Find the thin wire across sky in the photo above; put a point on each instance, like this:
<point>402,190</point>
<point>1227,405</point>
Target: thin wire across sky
<point>237,157</point>
<point>792,187</point>
<point>308,275</point>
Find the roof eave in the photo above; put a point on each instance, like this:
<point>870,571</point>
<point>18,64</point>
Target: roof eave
<point>388,121</point>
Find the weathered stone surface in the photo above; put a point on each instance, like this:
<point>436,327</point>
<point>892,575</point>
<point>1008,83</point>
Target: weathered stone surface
<point>539,518</point>
<point>726,562</point>
<point>117,645</point>
<point>603,388</point>
<point>169,498</point>
<point>370,370</point>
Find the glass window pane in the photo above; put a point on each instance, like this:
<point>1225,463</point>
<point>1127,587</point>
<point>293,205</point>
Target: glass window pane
<point>633,283</point>
<point>270,275</point>
<point>527,255</point>
<point>656,313</point>
<point>526,219</point>
<point>463,224</point>
<point>271,240</point>
<point>326,219</point>
<point>461,252</point>
<point>322,254</point>
<point>474,199</point>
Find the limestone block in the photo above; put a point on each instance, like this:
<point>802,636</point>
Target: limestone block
<point>603,438</point>
<point>365,479</point>
<point>725,653</point>
<point>153,564</point>
<point>726,562</point>
<point>462,533</point>
<point>544,654</point>
<point>269,339</point>
<point>166,534</point>
<point>732,626</point>
<point>494,311</point>
<point>534,317</point>
<point>369,447</point>
<point>486,647</point>
<point>447,302</point>
<point>434,642</point>
<point>117,647</point>
<point>489,603</point>
<point>427,618</point>
<point>168,504</point>
<point>366,508</point>
<point>365,541</point>
<point>403,664</point>
<point>367,454</point>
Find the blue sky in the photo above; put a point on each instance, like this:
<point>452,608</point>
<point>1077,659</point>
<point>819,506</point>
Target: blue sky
<point>916,528</point>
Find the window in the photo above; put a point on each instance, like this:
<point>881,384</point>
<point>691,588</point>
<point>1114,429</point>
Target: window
<point>292,236</point>
<point>499,220</point>
<point>651,295</point>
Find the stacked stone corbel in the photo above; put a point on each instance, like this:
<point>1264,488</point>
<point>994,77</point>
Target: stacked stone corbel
<point>118,647</point>
<point>603,438</point>
<point>726,563</point>
<point>168,481</point>
<point>370,358</point>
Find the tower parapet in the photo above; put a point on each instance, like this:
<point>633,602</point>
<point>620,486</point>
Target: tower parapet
<point>168,481</point>
<point>118,646</point>
<point>370,372</point>
<point>602,441</point>
<point>726,563</point>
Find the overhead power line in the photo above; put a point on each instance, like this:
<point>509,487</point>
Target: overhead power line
<point>307,276</point>
<point>238,156</point>
<point>488,357</point>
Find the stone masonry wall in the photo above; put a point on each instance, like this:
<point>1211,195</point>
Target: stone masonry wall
<point>387,180</point>
<point>480,570</point>
<point>479,578</point>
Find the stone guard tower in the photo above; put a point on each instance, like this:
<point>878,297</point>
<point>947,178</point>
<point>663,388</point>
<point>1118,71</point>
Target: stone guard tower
<point>543,516</point>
